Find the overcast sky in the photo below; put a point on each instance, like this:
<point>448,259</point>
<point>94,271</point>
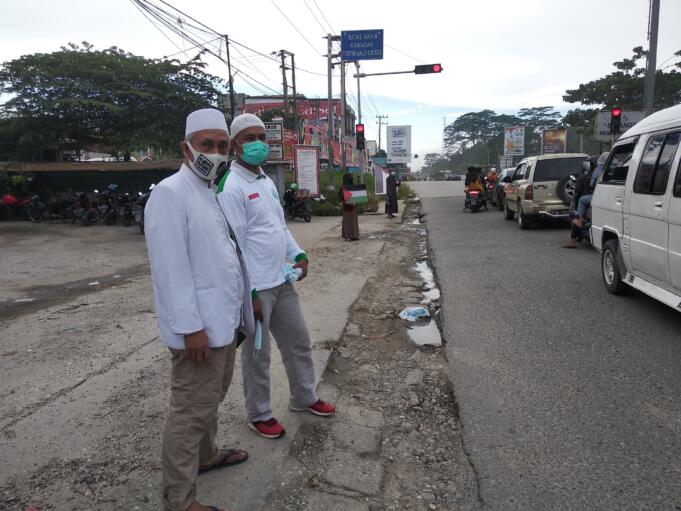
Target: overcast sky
<point>497,54</point>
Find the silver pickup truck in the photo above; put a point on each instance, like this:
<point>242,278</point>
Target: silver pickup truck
<point>636,210</point>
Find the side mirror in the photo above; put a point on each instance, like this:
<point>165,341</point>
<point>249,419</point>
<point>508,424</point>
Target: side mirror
<point>507,179</point>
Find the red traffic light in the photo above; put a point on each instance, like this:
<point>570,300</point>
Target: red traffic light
<point>424,69</point>
<point>616,112</point>
<point>359,128</point>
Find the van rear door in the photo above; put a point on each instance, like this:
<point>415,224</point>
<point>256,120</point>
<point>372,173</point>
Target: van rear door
<point>675,231</point>
<point>648,206</point>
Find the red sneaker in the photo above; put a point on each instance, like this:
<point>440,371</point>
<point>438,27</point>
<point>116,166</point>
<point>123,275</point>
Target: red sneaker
<point>268,429</point>
<point>321,408</point>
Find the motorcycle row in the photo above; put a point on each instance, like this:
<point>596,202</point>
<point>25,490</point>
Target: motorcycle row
<point>109,206</point>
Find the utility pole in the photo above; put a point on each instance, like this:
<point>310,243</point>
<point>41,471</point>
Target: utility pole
<point>444,127</point>
<point>230,78</point>
<point>380,124</point>
<point>293,83</point>
<point>343,115</point>
<point>330,113</point>
<point>282,54</point>
<point>653,25</point>
<point>359,96</point>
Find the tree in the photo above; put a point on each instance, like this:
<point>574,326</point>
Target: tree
<point>81,98</point>
<point>624,87</point>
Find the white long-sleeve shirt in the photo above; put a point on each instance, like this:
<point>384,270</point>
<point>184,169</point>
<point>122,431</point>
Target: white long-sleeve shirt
<point>251,203</point>
<point>196,273</point>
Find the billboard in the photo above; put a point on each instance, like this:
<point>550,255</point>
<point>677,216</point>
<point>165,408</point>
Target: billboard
<point>307,168</point>
<point>629,118</point>
<point>514,141</point>
<point>361,45</point>
<point>553,141</point>
<point>399,144</point>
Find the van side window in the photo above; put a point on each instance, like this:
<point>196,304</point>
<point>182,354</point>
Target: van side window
<point>656,163</point>
<point>677,184</point>
<point>617,165</point>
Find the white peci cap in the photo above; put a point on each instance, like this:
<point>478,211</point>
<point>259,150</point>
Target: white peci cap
<point>205,119</point>
<point>245,121</point>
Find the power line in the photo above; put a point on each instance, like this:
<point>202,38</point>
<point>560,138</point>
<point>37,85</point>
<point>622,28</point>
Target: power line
<point>139,8</point>
<point>405,54</point>
<point>323,16</point>
<point>295,27</point>
<point>314,16</point>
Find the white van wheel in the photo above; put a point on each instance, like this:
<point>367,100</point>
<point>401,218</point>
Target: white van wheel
<point>611,273</point>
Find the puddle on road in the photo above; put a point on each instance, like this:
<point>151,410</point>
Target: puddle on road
<point>432,292</point>
<point>426,334</point>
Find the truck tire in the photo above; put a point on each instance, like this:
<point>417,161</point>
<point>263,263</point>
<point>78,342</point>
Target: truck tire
<point>566,188</point>
<point>612,278</point>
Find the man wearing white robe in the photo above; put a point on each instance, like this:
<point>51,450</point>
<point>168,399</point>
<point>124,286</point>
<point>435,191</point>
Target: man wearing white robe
<point>202,295</point>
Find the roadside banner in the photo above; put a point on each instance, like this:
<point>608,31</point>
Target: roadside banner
<point>514,141</point>
<point>306,160</point>
<point>399,144</point>
<point>380,179</point>
<point>554,141</point>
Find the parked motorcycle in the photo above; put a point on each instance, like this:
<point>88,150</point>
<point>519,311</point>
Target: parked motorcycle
<point>83,210</point>
<point>475,200</point>
<point>27,207</point>
<point>126,209</point>
<point>138,208</point>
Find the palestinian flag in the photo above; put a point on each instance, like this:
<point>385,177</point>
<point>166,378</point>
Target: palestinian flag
<point>355,194</point>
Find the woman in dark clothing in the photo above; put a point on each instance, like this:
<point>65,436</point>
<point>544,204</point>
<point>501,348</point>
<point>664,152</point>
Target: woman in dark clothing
<point>391,195</point>
<point>350,230</point>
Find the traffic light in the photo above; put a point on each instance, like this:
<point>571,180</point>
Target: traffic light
<point>427,68</point>
<point>359,131</point>
<point>615,120</point>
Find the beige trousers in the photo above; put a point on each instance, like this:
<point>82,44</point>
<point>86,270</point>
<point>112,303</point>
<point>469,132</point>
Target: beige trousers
<point>196,391</point>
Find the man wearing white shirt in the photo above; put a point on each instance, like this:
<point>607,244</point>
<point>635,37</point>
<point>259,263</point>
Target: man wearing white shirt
<point>202,295</point>
<point>250,200</point>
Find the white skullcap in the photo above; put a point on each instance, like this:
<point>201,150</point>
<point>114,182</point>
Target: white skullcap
<point>205,119</point>
<point>245,121</point>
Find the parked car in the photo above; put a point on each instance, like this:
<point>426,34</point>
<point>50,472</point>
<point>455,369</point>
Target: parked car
<point>454,177</point>
<point>636,210</point>
<point>542,187</point>
<point>504,178</point>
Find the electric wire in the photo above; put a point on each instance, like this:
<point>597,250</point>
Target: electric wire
<point>295,27</point>
<point>405,54</point>
<point>323,16</point>
<point>314,16</point>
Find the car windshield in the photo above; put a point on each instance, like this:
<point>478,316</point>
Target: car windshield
<point>555,168</point>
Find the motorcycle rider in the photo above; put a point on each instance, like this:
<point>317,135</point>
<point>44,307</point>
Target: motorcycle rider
<point>474,179</point>
<point>290,197</point>
<point>582,188</point>
<point>585,200</point>
<point>493,177</point>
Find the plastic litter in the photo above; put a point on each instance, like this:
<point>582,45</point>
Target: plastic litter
<point>24,300</point>
<point>95,283</point>
<point>414,313</point>
<point>292,274</point>
<point>257,345</point>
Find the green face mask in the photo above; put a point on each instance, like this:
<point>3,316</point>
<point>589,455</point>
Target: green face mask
<point>255,153</point>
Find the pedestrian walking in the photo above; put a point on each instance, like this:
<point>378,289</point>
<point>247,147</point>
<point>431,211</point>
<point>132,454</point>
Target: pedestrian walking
<point>350,225</point>
<point>391,195</point>
<point>251,202</point>
<point>202,295</point>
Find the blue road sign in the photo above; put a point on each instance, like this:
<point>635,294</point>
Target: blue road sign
<point>362,45</point>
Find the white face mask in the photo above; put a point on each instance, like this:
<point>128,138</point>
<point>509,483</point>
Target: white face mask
<point>206,165</point>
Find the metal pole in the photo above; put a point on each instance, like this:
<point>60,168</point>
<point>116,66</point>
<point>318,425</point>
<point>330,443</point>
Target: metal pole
<point>232,107</point>
<point>343,116</point>
<point>380,124</point>
<point>293,83</point>
<point>653,25</point>
<point>329,115</point>
<point>359,96</point>
<point>282,54</point>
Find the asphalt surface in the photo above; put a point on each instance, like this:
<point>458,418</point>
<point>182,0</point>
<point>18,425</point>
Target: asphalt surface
<point>569,397</point>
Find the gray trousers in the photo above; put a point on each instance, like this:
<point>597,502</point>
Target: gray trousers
<point>282,317</point>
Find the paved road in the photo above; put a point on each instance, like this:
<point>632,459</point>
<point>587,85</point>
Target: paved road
<point>570,398</point>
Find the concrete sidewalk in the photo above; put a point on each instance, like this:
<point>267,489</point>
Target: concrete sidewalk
<point>84,392</point>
